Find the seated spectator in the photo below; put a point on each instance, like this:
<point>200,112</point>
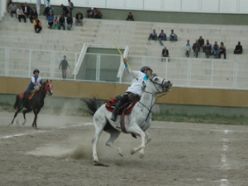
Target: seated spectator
<point>153,35</point>
<point>187,48</point>
<point>208,49</point>
<point>89,13</point>
<point>69,22</point>
<point>201,42</point>
<point>97,13</point>
<point>79,19</point>
<point>37,25</point>
<point>196,48</point>
<point>50,19</point>
<point>165,54</point>
<point>20,14</point>
<point>162,36</point>
<point>238,49</point>
<point>216,50</point>
<point>62,22</point>
<point>130,17</point>
<point>55,23</point>
<point>12,9</point>
<point>173,36</point>
<point>222,50</point>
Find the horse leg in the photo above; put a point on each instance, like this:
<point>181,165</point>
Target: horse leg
<point>24,115</point>
<point>36,112</point>
<point>148,137</point>
<point>16,113</point>
<point>99,124</point>
<point>137,130</point>
<point>114,134</point>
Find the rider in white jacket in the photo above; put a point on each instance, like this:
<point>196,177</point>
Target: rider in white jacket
<point>134,91</point>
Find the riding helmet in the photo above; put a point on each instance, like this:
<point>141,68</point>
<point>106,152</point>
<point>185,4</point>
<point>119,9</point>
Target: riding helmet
<point>36,70</point>
<point>145,68</point>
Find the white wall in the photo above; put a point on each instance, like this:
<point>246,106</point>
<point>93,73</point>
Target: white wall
<point>208,6</point>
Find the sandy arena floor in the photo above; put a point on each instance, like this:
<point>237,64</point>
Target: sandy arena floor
<point>180,154</point>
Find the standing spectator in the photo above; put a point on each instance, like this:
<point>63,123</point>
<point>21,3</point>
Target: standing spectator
<point>173,36</point>
<point>165,54</point>
<point>20,14</point>
<point>196,48</point>
<point>37,25</point>
<point>187,48</point>
<point>79,19</point>
<point>69,22</point>
<point>201,42</point>
<point>216,50</point>
<point>153,35</point>
<point>65,10</point>
<point>238,49</point>
<point>222,50</point>
<point>70,7</point>
<point>32,15</point>
<point>130,17</point>
<point>62,22</point>
<point>90,13</point>
<point>208,49</point>
<point>64,66</point>
<point>26,10</point>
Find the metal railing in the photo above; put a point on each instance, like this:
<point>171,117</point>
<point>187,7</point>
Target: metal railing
<point>183,72</point>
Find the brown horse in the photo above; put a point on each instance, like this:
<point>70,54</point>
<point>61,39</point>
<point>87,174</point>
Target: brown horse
<point>32,104</point>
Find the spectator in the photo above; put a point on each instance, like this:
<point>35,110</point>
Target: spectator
<point>153,35</point>
<point>50,19</point>
<point>55,23</point>
<point>97,13</point>
<point>173,36</point>
<point>196,48</point>
<point>37,25</point>
<point>201,43</point>
<point>187,48</point>
<point>69,22</point>
<point>33,15</point>
<point>70,7</point>
<point>20,14</point>
<point>65,10</point>
<point>79,19</point>
<point>222,50</point>
<point>26,10</point>
<point>165,54</point>
<point>64,66</point>
<point>208,49</point>
<point>162,36</point>
<point>90,13</point>
<point>216,50</point>
<point>238,49</point>
<point>12,9</point>
<point>61,22</point>
<point>130,17</point>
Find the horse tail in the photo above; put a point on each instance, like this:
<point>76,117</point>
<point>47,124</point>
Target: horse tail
<point>16,102</point>
<point>92,105</point>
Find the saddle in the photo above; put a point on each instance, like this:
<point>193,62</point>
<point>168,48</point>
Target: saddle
<point>110,105</point>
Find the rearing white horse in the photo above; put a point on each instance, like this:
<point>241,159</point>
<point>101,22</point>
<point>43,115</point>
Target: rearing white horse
<point>136,123</point>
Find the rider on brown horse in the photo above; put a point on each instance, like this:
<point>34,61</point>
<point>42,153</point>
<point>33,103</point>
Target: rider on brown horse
<point>33,86</point>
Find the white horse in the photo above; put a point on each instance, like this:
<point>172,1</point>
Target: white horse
<point>136,123</point>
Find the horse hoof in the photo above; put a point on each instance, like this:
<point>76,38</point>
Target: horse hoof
<point>97,163</point>
<point>132,152</point>
<point>141,155</point>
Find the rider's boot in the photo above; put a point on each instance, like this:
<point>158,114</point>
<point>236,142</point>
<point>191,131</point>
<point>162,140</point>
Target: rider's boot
<point>116,111</point>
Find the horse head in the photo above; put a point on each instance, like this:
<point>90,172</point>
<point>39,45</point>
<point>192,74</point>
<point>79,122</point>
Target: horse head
<point>158,85</point>
<point>48,86</point>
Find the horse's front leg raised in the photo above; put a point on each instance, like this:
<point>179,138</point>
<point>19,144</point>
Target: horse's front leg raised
<point>137,130</point>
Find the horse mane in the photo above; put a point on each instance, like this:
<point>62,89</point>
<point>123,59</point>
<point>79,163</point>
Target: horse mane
<point>92,105</point>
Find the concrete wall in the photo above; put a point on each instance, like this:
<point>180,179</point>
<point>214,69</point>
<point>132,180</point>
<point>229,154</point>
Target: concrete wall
<point>177,96</point>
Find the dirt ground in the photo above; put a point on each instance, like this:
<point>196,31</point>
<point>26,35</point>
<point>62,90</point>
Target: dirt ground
<point>180,154</point>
